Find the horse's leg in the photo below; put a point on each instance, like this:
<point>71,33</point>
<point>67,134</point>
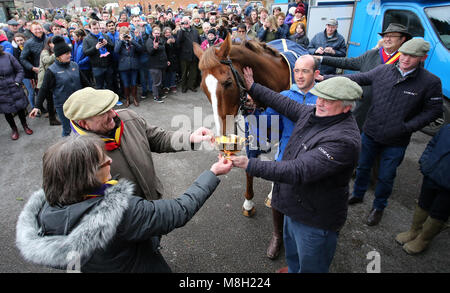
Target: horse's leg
<point>248,209</point>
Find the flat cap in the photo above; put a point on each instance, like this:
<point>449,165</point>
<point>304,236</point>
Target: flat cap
<point>89,102</point>
<point>337,88</point>
<point>416,47</point>
<point>332,21</point>
<point>12,22</point>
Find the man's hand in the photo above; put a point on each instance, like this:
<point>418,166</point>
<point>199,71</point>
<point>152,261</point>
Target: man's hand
<point>202,134</point>
<point>319,51</point>
<point>223,166</point>
<point>35,69</point>
<point>248,77</point>
<point>250,103</point>
<point>239,161</point>
<point>34,113</point>
<point>329,50</point>
<point>319,77</point>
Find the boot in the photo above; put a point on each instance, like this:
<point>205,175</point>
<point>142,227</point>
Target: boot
<point>15,133</point>
<point>277,236</point>
<point>135,96</point>
<point>52,120</point>
<point>126,92</point>
<point>27,129</point>
<point>430,229</point>
<point>420,215</point>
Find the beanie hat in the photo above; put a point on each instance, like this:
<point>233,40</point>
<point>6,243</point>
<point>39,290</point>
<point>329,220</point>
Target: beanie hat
<point>301,9</point>
<point>61,46</point>
<point>211,31</point>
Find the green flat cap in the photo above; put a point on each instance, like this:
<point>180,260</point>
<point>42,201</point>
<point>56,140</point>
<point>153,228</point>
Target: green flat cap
<point>337,88</point>
<point>416,47</point>
<point>89,102</point>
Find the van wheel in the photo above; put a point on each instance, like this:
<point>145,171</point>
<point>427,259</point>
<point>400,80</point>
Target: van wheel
<point>433,127</point>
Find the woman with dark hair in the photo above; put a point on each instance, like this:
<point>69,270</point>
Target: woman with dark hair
<point>12,96</point>
<point>82,218</point>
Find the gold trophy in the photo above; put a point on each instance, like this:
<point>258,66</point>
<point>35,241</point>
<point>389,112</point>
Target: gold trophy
<point>230,144</point>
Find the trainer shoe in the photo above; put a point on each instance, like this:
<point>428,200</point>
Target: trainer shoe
<point>158,100</point>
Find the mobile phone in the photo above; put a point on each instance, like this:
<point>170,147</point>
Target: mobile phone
<point>100,40</point>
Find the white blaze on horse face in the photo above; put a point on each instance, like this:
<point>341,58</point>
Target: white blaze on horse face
<point>211,84</point>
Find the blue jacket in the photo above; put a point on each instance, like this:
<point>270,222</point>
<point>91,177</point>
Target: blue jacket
<point>7,47</point>
<point>435,160</point>
<point>114,38</point>
<point>128,54</point>
<point>337,42</point>
<point>285,125</point>
<point>79,57</point>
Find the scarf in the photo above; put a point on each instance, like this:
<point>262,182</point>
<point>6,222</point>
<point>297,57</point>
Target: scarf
<point>112,142</point>
<point>101,190</point>
<point>102,50</point>
<point>386,59</point>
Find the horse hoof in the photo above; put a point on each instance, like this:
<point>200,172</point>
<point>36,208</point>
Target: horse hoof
<point>268,202</point>
<point>249,213</point>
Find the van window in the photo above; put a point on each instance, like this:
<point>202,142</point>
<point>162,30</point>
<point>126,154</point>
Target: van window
<point>440,18</point>
<point>405,17</point>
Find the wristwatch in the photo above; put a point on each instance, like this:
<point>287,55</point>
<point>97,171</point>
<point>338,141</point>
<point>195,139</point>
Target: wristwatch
<point>18,84</point>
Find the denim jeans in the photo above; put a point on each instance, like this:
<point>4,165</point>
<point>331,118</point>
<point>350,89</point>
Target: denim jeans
<point>169,79</point>
<point>128,78</point>
<point>308,249</point>
<point>30,90</point>
<point>104,77</point>
<point>145,79</point>
<point>390,158</point>
<point>65,123</point>
<point>156,75</point>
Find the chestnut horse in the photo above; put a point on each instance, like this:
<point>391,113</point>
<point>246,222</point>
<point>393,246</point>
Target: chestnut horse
<point>222,82</point>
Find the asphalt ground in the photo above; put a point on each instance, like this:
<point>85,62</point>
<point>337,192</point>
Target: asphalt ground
<point>219,239</point>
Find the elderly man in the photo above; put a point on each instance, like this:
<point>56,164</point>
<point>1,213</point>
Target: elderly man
<point>393,37</point>
<point>188,62</point>
<point>328,43</point>
<point>129,140</point>
<point>312,178</point>
<point>406,98</point>
<point>13,28</point>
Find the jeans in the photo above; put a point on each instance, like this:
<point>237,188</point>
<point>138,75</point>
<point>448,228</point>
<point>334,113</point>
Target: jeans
<point>65,123</point>
<point>435,200</point>
<point>169,79</point>
<point>308,249</point>
<point>390,158</point>
<point>156,75</point>
<point>146,80</point>
<point>30,90</point>
<point>128,78</point>
<point>102,76</point>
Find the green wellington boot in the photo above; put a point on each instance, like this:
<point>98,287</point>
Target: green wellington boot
<point>419,217</point>
<point>430,229</point>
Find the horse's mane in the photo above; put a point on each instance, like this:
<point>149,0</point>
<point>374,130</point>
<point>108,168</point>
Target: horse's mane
<point>209,58</point>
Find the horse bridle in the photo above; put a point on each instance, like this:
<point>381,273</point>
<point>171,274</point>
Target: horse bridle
<point>243,108</point>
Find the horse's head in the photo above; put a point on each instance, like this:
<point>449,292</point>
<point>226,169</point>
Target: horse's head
<point>218,82</point>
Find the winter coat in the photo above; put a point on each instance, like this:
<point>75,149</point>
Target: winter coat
<point>124,230</point>
<point>301,40</point>
<point>312,180</point>
<point>435,160</point>
<point>46,60</point>
<point>337,42</point>
<point>172,57</point>
<point>400,105</point>
<point>128,54</point>
<point>283,31</point>
<point>7,46</point>
<point>12,96</point>
<point>157,57</point>
<point>78,56</point>
<point>31,52</point>
<point>89,49</point>
<point>184,43</point>
<point>294,24</point>
<point>205,44</point>
<point>17,52</point>
<point>265,35</point>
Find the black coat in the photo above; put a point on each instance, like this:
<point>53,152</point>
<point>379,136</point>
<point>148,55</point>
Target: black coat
<point>31,53</point>
<point>90,50</point>
<point>312,180</point>
<point>12,96</point>
<point>184,43</point>
<point>157,57</point>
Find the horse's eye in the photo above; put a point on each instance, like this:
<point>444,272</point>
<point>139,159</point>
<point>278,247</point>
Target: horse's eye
<point>227,83</point>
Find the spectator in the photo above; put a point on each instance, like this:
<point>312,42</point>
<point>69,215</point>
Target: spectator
<point>129,139</point>
<point>433,207</point>
<point>212,40</point>
<point>169,77</point>
<point>46,59</point>
<point>61,79</point>
<point>197,24</point>
<point>158,62</point>
<point>313,176</point>
<point>300,36</point>
<point>241,33</point>
<point>188,62</point>
<point>290,16</point>
<point>78,56</point>
<point>140,35</point>
<point>12,97</point>
<point>328,43</point>
<point>7,46</point>
<point>13,28</point>
<point>98,47</point>
<point>299,17</point>
<point>206,27</point>
<point>90,203</point>
<point>269,30</point>
<point>128,50</point>
<point>19,41</point>
<point>417,96</point>
<point>263,15</point>
<point>283,28</point>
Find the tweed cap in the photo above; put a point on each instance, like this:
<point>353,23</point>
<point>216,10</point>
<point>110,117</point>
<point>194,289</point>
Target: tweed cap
<point>89,102</point>
<point>416,47</point>
<point>12,22</point>
<point>337,88</point>
<point>332,21</point>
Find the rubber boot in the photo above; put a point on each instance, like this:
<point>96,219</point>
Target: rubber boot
<point>277,236</point>
<point>419,217</point>
<point>430,229</point>
<point>14,133</point>
<point>27,129</point>
<point>126,92</point>
<point>135,96</point>
<point>52,120</point>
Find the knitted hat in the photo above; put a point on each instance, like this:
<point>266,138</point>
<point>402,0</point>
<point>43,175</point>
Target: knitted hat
<point>300,9</point>
<point>211,31</point>
<point>89,102</point>
<point>61,46</point>
<point>337,88</point>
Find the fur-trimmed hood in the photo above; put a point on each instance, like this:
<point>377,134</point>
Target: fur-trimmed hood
<point>94,230</point>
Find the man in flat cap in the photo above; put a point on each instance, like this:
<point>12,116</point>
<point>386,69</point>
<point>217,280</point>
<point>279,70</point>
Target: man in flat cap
<point>129,139</point>
<point>393,37</point>
<point>312,179</point>
<point>406,97</point>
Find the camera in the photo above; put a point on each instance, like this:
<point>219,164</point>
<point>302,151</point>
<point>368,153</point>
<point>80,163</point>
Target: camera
<point>100,40</point>
<point>127,37</point>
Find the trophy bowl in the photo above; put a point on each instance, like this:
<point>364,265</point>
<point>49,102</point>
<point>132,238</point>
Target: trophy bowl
<point>230,144</point>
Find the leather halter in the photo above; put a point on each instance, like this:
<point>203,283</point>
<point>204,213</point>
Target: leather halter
<point>243,108</point>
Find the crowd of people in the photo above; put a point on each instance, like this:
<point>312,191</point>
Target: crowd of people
<point>325,135</point>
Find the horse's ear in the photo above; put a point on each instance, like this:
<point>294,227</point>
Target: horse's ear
<point>197,50</point>
<point>225,48</point>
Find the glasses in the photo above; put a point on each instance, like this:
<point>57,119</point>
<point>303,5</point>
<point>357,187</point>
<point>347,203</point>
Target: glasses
<point>106,163</point>
<point>391,36</point>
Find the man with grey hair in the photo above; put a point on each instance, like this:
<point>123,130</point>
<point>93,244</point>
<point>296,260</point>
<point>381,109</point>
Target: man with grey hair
<point>312,178</point>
